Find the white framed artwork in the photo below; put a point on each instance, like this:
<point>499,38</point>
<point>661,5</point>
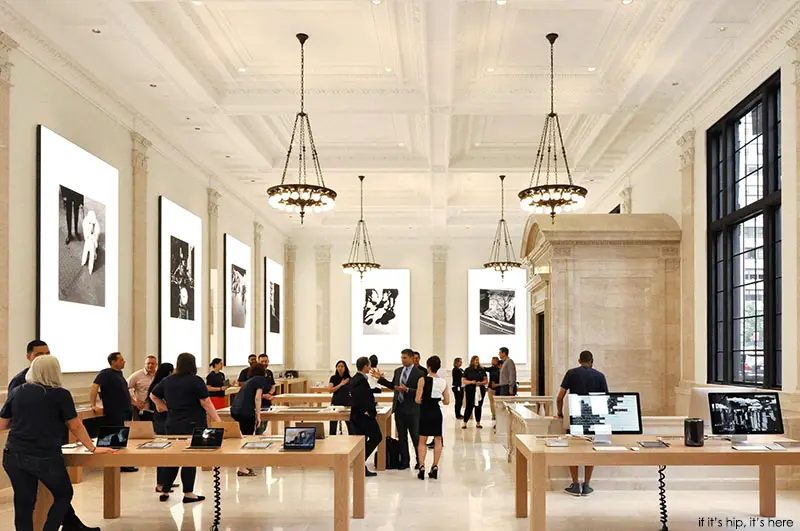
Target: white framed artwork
<point>180,253</point>
<point>237,300</point>
<point>381,313</point>
<point>497,311</point>
<point>77,310</point>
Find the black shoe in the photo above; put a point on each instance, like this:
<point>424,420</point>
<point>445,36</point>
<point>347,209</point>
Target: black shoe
<point>369,473</point>
<point>421,474</point>
<point>434,473</point>
<point>193,500</point>
<point>128,469</point>
<point>459,417</point>
<point>163,497</point>
<point>430,445</point>
<point>78,526</point>
<point>69,239</point>
<point>403,467</point>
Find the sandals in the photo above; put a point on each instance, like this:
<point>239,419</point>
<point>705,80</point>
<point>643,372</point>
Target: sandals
<point>434,473</point>
<point>421,474</point>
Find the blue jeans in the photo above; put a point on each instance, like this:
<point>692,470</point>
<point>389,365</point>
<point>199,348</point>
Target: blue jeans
<point>25,472</point>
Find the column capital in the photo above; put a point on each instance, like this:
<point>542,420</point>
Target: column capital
<point>322,253</point>
<point>213,202</point>
<point>686,145</point>
<point>439,253</point>
<point>258,230</point>
<point>7,45</point>
<point>140,145</point>
<point>794,43</point>
<point>290,252</point>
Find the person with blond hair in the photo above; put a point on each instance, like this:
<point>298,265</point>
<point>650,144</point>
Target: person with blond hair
<point>35,414</point>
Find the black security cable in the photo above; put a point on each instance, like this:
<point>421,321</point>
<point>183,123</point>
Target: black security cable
<point>217,501</point>
<point>662,497</point>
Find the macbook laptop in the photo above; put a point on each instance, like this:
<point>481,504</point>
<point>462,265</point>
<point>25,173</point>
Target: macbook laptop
<point>113,437</point>
<point>207,439</point>
<point>299,439</point>
<point>320,433</point>
<point>141,429</point>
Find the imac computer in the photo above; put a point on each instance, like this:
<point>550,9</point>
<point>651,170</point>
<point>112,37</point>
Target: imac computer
<point>603,415</point>
<point>741,414</point>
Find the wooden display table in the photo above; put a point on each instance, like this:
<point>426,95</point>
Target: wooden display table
<point>291,415</point>
<point>84,412</point>
<point>286,385</point>
<point>534,458</point>
<point>293,399</point>
<point>344,455</point>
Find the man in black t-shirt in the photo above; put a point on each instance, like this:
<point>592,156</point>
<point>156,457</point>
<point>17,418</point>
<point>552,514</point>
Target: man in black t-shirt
<point>263,360</point>
<point>35,348</point>
<point>581,380</point>
<point>251,361</point>
<point>112,387</point>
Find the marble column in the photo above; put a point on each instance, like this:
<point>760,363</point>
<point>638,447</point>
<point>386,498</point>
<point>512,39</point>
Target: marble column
<point>258,289</point>
<point>7,46</point>
<point>140,145</point>
<point>289,258</point>
<point>323,261</point>
<point>686,145</point>
<point>214,279</point>
<point>439,256</point>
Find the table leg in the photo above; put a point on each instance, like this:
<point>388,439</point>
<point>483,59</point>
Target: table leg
<point>381,449</point>
<point>341,495</point>
<point>43,502</point>
<point>521,485</point>
<point>359,496</point>
<point>305,386</point>
<point>273,427</point>
<point>538,476</point>
<point>111,492</point>
<point>766,491</point>
<point>75,474</point>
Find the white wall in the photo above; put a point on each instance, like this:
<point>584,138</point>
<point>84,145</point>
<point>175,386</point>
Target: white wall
<point>39,98</point>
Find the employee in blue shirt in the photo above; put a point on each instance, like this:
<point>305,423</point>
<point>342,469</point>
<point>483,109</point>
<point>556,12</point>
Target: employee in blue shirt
<point>581,380</point>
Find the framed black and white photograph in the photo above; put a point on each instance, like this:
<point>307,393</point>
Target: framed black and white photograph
<point>273,310</point>
<point>180,281</point>
<point>497,312</point>
<point>378,316</point>
<point>381,312</point>
<point>77,252</point>
<point>237,299</point>
<point>238,296</point>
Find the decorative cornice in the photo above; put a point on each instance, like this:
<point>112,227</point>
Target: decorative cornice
<point>537,282</point>
<point>686,144</point>
<point>213,202</point>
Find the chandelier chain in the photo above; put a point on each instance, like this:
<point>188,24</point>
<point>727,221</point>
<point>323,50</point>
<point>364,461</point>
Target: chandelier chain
<point>552,80</point>
<point>302,78</point>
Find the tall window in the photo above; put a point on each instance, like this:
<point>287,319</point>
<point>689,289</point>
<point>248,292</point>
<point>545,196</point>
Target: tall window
<point>744,242</point>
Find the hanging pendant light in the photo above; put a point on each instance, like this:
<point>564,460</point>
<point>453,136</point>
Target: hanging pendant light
<point>361,259</point>
<point>545,194</point>
<point>302,197</point>
<point>502,258</point>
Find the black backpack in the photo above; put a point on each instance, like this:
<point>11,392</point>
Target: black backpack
<point>392,454</point>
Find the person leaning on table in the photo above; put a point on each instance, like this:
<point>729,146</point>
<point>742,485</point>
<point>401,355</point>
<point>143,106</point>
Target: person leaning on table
<point>36,412</point>
<point>184,396</point>
<point>246,409</point>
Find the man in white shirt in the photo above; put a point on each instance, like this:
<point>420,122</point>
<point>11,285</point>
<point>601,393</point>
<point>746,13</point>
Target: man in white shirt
<point>139,384</point>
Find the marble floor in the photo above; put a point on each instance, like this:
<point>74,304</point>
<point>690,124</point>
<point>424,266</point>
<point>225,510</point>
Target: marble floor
<point>474,492</point>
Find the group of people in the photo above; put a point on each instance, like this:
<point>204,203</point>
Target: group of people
<point>473,384</point>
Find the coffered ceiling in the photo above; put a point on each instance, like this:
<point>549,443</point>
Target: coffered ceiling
<point>430,99</point>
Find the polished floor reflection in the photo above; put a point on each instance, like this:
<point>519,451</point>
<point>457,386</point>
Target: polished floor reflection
<point>474,492</point>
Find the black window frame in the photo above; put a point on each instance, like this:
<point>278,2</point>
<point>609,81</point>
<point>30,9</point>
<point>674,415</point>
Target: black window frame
<point>723,219</point>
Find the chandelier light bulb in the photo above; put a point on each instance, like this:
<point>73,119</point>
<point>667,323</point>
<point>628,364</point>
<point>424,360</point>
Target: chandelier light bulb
<point>315,196</point>
<point>558,210</point>
<point>567,208</point>
<point>557,194</point>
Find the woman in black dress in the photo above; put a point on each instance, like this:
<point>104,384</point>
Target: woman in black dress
<point>339,386</point>
<point>430,391</point>
<point>217,383</point>
<point>475,381</point>
<point>184,396</point>
<point>160,423</point>
<point>458,386</point>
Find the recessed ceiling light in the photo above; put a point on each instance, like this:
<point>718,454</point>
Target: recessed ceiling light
<point>490,69</point>
<point>722,28</point>
<point>592,68</point>
<point>675,83</point>
<point>227,156</point>
<point>153,85</point>
<point>242,69</point>
<point>627,2</point>
<point>501,2</point>
<point>97,31</point>
<point>388,69</point>
<point>196,128</point>
<point>252,180</point>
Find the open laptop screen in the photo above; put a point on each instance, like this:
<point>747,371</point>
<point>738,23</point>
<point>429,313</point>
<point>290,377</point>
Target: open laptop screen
<point>207,437</point>
<point>299,438</point>
<point>113,437</point>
